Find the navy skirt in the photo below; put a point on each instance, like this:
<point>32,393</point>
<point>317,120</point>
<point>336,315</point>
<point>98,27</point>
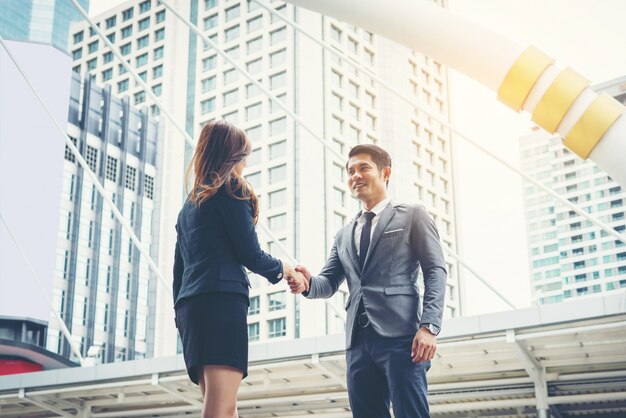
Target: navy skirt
<point>214,331</point>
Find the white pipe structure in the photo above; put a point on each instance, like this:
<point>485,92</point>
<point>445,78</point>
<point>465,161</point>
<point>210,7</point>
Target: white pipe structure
<point>560,100</point>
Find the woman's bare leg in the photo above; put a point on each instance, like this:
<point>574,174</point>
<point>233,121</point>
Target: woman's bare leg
<point>221,384</point>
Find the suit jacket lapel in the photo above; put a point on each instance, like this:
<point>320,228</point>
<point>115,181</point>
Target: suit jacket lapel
<point>352,245</point>
<point>385,217</point>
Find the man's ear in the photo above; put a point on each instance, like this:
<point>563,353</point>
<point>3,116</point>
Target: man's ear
<point>386,173</point>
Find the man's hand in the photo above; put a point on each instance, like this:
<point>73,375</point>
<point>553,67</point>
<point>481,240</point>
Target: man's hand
<point>424,346</point>
<point>295,285</point>
<point>296,280</point>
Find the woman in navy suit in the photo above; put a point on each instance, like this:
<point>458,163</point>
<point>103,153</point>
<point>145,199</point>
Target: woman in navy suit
<point>216,242</point>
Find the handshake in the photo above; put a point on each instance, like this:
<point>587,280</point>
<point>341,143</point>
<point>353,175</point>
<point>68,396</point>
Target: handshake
<point>297,277</point>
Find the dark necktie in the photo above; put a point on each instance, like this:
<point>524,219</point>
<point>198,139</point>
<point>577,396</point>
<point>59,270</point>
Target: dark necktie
<point>365,237</point>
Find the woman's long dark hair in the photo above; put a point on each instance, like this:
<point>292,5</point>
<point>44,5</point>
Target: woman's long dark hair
<point>220,148</point>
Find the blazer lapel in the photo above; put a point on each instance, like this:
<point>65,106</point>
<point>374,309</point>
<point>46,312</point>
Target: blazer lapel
<point>352,245</point>
<point>385,217</point>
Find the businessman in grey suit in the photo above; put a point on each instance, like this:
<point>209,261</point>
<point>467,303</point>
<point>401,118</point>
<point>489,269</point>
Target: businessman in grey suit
<point>389,344</point>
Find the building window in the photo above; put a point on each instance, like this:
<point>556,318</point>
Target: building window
<point>127,31</point>
<point>255,45</point>
<point>78,37</point>
<point>111,37</point>
<point>69,156</point>
<point>278,126</point>
<point>91,157</point>
<point>278,198</point>
<point>122,86</point>
<point>339,197</point>
<point>278,149</point>
<point>209,63</point>
<point>253,111</point>
<point>339,220</point>
<point>157,89</point>
<point>208,84</point>
<point>278,36</point>
<point>110,22</point>
<point>77,54</point>
<point>278,173</point>
<point>91,64</point>
<point>209,4</point>
<point>278,80</point>
<point>107,57</point>
<point>88,262</point>
<point>149,186</point>
<point>125,50</point>
<point>277,301</point>
<point>277,327</point>
<point>143,41</point>
<point>160,16</point>
<point>210,22</point>
<point>253,332</point>
<point>142,60</point>
<point>232,13</point>
<point>159,35</point>
<point>131,177</point>
<point>144,6</point>
<point>230,76</point>
<point>254,133</point>
<point>207,105</point>
<point>143,24</point>
<point>278,58</point>
<point>255,24</point>
<point>68,229</point>
<point>157,72</point>
<point>110,253</point>
<point>278,223</point>
<point>279,10</point>
<point>231,34</point>
<point>127,14</point>
<point>335,34</point>
<point>255,66</point>
<point>93,46</point>
<point>231,97</point>
<point>111,173</point>
<point>255,305</point>
<point>140,97</point>
<point>66,263</point>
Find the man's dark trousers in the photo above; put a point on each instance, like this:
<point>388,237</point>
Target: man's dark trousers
<point>380,370</point>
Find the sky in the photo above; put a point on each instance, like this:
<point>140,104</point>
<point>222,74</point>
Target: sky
<point>586,35</point>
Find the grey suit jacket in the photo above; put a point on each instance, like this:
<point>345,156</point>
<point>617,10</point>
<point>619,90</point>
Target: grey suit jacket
<point>404,239</point>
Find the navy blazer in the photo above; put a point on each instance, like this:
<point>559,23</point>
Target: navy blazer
<point>215,242</point>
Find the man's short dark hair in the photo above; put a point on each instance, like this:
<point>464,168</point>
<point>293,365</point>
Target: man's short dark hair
<point>380,157</point>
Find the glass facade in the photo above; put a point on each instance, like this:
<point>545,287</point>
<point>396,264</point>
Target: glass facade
<point>45,21</point>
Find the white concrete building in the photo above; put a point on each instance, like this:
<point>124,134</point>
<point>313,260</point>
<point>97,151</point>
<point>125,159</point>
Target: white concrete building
<point>569,256</point>
<point>304,198</point>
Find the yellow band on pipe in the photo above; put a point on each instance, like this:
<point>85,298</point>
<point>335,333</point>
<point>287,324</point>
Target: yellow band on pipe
<point>522,76</point>
<point>593,124</point>
<point>557,100</point>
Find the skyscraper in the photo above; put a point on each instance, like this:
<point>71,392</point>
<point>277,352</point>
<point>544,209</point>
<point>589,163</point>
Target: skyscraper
<point>44,21</point>
<point>569,256</point>
<point>304,197</point>
<point>103,287</point>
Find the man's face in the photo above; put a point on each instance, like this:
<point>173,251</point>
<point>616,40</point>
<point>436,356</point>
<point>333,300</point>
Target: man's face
<point>365,180</point>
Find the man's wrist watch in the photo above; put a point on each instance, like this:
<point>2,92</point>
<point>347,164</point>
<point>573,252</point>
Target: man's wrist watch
<point>432,328</point>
